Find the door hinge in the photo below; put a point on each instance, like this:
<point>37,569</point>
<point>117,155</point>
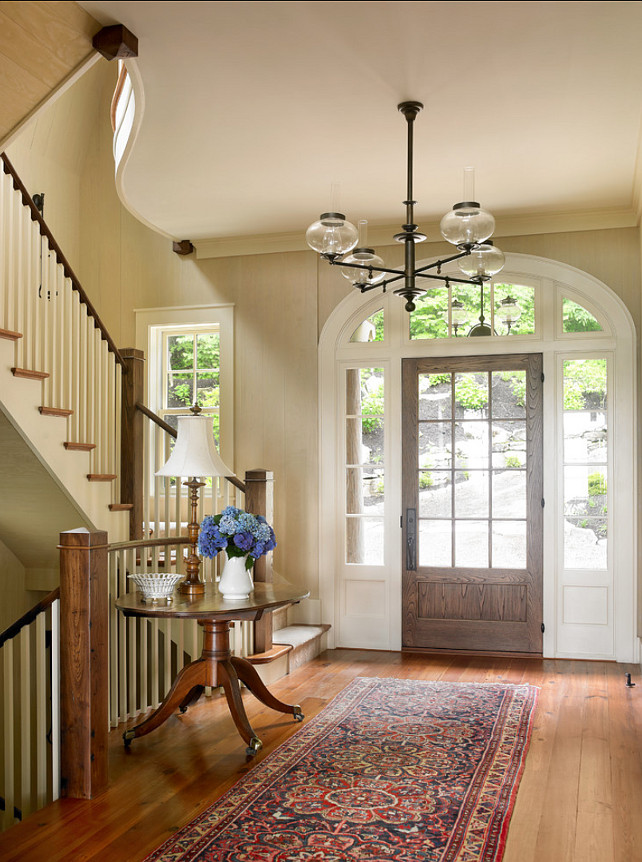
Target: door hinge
<point>543,628</point>
<point>543,502</point>
<point>542,376</point>
<point>401,522</point>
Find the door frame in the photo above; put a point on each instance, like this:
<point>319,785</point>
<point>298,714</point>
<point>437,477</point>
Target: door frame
<point>552,280</point>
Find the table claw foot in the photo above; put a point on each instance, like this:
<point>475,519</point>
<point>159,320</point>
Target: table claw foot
<point>128,735</point>
<point>296,712</point>
<point>254,746</point>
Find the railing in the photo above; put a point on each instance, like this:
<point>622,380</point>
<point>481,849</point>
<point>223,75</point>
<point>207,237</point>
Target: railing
<point>30,715</point>
<point>59,336</point>
<point>61,340</point>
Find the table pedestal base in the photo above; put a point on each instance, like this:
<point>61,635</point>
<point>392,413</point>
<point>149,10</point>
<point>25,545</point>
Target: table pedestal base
<point>216,667</point>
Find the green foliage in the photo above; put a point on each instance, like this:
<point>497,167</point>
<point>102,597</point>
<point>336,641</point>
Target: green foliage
<point>469,393</point>
<point>429,381</point>
<point>195,359</point>
<point>596,484</point>
<point>372,400</point>
<point>584,384</point>
<point>425,480</point>
<point>577,318</point>
<point>430,319</point>
<point>378,320</point>
<point>512,461</point>
<point>517,380</point>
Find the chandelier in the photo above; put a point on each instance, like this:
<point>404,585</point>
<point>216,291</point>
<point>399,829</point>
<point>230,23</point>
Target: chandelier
<point>467,226</point>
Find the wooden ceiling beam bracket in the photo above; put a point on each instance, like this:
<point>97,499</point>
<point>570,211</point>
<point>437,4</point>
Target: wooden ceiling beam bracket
<point>182,247</point>
<point>116,42</point>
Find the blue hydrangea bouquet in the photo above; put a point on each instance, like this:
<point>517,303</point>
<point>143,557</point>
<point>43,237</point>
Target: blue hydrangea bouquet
<point>238,533</point>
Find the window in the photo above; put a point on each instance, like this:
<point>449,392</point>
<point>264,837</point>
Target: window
<point>451,312</point>
<point>365,491</point>
<point>190,373</point>
<point>190,356</point>
<point>585,463</point>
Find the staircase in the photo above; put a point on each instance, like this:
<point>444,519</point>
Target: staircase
<point>60,371</point>
<point>69,396</point>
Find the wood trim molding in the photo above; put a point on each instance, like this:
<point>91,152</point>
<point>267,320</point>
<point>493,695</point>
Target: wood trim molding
<point>381,235</point>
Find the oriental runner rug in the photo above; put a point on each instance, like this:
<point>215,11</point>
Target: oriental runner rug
<point>391,770</point>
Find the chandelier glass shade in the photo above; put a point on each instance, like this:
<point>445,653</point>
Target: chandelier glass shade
<point>467,226</point>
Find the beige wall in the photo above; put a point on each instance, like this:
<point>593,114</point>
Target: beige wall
<point>281,300</point>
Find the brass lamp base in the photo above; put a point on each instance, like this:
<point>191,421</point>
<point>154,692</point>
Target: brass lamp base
<point>191,588</point>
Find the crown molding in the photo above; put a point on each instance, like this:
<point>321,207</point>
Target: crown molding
<point>381,235</point>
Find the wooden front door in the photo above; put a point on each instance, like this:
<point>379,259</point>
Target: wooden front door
<point>472,498</point>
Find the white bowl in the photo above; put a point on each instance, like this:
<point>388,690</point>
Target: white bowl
<point>156,586</point>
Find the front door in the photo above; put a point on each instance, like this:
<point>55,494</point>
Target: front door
<point>472,500</point>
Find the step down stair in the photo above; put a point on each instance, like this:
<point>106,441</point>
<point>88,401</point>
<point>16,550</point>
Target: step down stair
<point>55,411</point>
<point>28,374</point>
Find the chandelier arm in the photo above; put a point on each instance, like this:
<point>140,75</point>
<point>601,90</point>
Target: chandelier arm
<point>366,266</point>
<point>439,263</point>
<point>449,278</point>
<point>392,280</point>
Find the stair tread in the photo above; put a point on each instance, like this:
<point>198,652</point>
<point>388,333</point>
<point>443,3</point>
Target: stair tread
<point>79,447</point>
<point>29,374</point>
<point>10,335</point>
<point>55,411</point>
<point>101,477</point>
<point>298,634</point>
<point>270,655</point>
<point>121,507</point>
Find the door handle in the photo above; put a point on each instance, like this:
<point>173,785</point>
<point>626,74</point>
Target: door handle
<point>411,540</point>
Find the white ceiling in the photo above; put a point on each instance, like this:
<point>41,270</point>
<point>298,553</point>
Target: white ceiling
<point>253,109</point>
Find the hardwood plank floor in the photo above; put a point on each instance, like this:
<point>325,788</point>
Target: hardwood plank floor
<point>580,799</point>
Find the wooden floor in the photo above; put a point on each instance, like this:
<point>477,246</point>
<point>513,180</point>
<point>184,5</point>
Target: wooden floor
<point>580,798</point>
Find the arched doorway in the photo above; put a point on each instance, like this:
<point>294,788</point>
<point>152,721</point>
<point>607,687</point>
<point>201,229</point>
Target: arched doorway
<point>589,530</point>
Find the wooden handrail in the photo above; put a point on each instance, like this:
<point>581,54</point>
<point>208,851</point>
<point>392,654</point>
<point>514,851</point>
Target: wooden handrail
<point>53,245</point>
<point>156,419</point>
<point>29,616</point>
<point>162,424</point>
<point>149,543</point>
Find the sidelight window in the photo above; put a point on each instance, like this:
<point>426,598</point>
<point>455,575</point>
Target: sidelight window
<point>364,466</point>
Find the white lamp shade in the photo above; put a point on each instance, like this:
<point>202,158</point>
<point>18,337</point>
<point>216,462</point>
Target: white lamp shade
<point>194,453</point>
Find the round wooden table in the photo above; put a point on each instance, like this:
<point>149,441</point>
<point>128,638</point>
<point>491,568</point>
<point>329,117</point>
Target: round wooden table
<point>216,665</point>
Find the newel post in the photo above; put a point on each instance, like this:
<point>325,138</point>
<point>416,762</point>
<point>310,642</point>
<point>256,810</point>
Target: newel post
<point>132,438</point>
<point>259,499</point>
<point>84,666</point>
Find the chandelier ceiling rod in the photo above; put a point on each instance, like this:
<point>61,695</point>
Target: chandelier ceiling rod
<point>467,227</point>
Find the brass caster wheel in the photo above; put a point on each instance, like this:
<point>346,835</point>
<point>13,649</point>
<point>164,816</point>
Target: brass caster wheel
<point>182,710</point>
<point>254,746</point>
<point>296,712</point>
<point>128,735</point>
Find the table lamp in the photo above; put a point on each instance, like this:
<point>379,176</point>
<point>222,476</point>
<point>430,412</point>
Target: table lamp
<point>194,455</point>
